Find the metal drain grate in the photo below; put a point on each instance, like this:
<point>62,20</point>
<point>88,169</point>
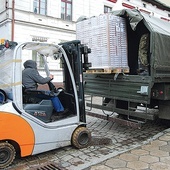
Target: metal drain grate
<point>48,166</point>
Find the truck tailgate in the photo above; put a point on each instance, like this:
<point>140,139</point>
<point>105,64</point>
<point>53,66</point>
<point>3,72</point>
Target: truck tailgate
<point>132,88</point>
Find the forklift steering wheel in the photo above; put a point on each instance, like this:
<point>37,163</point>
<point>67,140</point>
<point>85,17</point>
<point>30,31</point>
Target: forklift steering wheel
<point>54,90</point>
<point>52,87</point>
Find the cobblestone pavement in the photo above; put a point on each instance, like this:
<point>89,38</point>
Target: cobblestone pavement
<point>152,156</point>
<point>127,149</point>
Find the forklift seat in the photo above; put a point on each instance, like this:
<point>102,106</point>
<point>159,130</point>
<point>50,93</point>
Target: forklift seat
<point>38,103</point>
<point>42,110</point>
<point>35,96</point>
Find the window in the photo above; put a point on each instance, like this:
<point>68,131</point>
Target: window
<point>35,55</point>
<point>168,15</point>
<point>40,7</point>
<point>38,59</point>
<point>66,10</point>
<point>107,9</point>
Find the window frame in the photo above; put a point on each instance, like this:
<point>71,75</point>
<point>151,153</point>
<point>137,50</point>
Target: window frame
<point>65,15</point>
<point>38,8</point>
<point>107,7</point>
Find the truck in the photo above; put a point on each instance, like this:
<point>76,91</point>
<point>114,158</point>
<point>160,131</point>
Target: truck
<point>143,93</point>
<point>28,123</point>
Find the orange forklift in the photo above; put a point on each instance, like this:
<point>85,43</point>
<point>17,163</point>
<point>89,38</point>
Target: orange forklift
<point>27,122</point>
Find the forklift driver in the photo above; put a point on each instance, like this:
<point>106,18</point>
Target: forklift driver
<point>30,78</point>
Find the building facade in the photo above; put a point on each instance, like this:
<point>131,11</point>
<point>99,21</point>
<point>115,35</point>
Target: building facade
<point>54,21</point>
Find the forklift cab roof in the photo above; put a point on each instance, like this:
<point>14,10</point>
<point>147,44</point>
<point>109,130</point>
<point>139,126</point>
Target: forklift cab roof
<point>42,48</point>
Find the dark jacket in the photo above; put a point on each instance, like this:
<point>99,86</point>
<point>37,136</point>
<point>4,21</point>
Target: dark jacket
<point>31,76</point>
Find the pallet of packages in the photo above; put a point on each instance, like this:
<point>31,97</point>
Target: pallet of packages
<point>107,38</point>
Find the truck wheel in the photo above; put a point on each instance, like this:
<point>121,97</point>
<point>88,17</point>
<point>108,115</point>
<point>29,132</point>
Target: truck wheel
<point>81,137</point>
<point>7,154</point>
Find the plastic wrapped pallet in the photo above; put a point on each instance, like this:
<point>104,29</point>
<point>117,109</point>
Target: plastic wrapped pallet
<point>106,36</point>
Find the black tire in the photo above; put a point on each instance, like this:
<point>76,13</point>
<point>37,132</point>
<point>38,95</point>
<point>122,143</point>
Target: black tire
<point>7,154</point>
<point>81,137</point>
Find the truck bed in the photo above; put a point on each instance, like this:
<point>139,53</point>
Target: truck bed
<point>132,88</point>
<point>121,93</point>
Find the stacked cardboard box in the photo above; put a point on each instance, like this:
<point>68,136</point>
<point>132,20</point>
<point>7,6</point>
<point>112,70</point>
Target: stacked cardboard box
<point>107,38</point>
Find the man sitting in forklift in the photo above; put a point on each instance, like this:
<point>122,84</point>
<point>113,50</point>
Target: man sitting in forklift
<point>30,78</point>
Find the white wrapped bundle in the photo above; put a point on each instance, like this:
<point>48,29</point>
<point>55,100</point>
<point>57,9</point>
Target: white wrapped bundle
<point>107,38</point>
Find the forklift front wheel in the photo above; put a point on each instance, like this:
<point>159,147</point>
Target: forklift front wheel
<point>81,137</point>
<point>7,154</point>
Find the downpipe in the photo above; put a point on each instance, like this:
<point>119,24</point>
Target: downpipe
<point>13,20</point>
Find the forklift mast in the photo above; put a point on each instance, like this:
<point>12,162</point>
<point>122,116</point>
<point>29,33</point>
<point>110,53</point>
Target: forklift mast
<point>78,58</point>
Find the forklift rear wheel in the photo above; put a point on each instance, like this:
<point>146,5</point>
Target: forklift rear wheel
<point>7,154</point>
<point>81,137</point>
